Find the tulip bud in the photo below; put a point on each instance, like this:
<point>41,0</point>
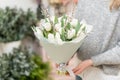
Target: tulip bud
<point>74,22</point>
<point>38,33</point>
<point>58,28</point>
<point>71,33</point>
<point>57,38</point>
<point>51,38</point>
<point>47,26</point>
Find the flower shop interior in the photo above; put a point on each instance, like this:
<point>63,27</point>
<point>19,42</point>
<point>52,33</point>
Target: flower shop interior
<point>22,57</point>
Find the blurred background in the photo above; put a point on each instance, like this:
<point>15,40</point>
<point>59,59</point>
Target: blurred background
<point>16,19</point>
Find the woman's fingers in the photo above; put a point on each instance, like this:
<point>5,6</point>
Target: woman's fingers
<point>78,72</point>
<point>76,69</point>
<point>82,66</point>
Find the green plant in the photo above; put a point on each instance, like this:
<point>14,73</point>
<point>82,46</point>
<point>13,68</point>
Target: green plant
<point>41,72</point>
<point>23,65</point>
<point>15,24</point>
<point>39,12</point>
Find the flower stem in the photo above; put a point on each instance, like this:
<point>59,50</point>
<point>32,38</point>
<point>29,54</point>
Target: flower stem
<point>45,11</point>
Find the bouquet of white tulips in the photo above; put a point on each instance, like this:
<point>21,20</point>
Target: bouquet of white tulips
<point>61,37</point>
<point>64,34</point>
<point>59,30</point>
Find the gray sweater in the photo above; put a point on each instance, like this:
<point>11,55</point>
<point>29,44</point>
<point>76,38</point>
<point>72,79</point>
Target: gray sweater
<point>102,44</point>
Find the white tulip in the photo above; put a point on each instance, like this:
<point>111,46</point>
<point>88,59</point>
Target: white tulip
<point>42,21</point>
<point>60,31</point>
<point>81,29</point>
<point>83,22</point>
<point>57,38</point>
<point>87,27</point>
<point>58,28</point>
<point>40,24</point>
<point>74,22</point>
<point>52,18</point>
<point>46,20</point>
<point>51,38</point>
<point>38,32</point>
<point>59,19</point>
<point>84,25</point>
<point>71,33</point>
<point>47,26</point>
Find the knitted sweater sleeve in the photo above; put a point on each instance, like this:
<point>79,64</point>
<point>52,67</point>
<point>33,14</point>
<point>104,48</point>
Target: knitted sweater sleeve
<point>110,57</point>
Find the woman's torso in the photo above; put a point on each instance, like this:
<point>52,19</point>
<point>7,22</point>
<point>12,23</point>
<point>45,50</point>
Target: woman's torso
<point>105,33</point>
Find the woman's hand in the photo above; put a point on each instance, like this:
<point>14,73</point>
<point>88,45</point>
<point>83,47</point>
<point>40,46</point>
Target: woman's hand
<point>54,74</point>
<point>82,66</point>
<point>65,2</point>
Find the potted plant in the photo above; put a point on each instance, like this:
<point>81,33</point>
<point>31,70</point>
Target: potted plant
<point>15,24</point>
<point>23,65</point>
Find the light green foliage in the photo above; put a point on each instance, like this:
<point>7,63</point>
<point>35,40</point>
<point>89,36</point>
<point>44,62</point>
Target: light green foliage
<point>16,24</point>
<point>22,65</point>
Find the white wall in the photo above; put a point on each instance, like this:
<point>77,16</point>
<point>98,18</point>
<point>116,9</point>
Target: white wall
<point>24,4</point>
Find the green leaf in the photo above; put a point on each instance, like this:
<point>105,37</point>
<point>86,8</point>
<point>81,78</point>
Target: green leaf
<point>68,26</point>
<point>55,20</point>
<point>45,33</point>
<point>84,29</point>
<point>77,28</point>
<point>62,22</point>
<point>63,35</point>
<point>14,66</point>
<point>33,28</point>
<point>46,20</point>
<point>15,24</point>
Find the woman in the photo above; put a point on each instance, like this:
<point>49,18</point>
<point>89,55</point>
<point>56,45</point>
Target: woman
<point>65,2</point>
<point>102,47</point>
<point>69,5</point>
